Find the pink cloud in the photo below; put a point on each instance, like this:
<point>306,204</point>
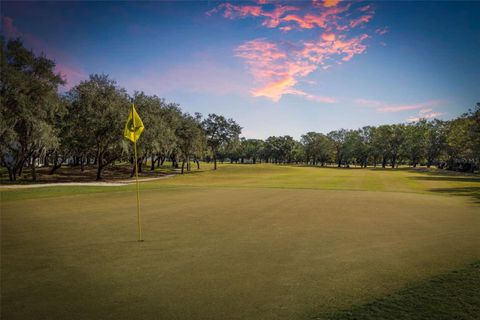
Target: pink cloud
<point>360,20</point>
<point>278,67</point>
<point>273,69</point>
<point>272,18</point>
<point>332,46</point>
<point>328,19</point>
<point>330,3</point>
<point>70,73</point>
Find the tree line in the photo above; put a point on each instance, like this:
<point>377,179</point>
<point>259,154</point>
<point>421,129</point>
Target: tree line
<point>453,145</point>
<point>83,126</point>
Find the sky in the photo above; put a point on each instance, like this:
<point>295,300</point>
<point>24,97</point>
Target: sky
<point>276,67</point>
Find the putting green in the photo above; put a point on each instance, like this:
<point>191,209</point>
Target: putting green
<point>243,252</point>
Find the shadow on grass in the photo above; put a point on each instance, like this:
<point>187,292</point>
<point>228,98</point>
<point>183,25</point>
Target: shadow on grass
<point>471,192</point>
<point>447,178</point>
<point>442,172</point>
<point>453,295</point>
<point>463,182</point>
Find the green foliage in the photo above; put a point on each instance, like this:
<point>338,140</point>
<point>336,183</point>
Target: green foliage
<point>219,132</point>
<point>190,138</point>
<point>97,112</point>
<point>318,148</point>
<point>29,102</point>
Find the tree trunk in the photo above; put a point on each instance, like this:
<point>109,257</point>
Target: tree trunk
<point>45,159</point>
<point>152,166</point>
<point>100,165</point>
<point>133,169</point>
<point>12,173</point>
<point>183,165</point>
<point>99,172</point>
<point>20,168</point>
<point>198,165</point>
<point>55,167</point>
<point>214,161</point>
<point>33,169</point>
<point>82,163</point>
<point>55,164</point>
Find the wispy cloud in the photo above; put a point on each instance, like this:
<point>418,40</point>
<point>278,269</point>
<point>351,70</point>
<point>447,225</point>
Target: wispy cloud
<point>382,31</point>
<point>72,74</point>
<point>279,66</point>
<point>382,106</point>
<point>425,114</point>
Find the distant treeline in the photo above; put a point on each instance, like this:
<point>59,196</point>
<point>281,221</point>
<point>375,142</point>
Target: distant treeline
<point>84,126</point>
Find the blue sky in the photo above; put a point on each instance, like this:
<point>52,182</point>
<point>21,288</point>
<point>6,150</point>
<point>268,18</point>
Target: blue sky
<point>276,68</point>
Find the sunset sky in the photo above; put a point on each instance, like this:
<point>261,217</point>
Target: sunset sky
<point>275,67</point>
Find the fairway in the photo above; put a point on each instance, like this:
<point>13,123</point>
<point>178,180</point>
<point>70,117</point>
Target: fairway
<point>244,242</point>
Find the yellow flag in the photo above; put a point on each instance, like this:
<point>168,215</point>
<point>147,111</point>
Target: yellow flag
<point>134,126</point>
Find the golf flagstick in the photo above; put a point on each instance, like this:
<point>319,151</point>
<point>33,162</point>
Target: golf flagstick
<point>133,129</point>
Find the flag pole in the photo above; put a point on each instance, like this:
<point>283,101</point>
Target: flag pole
<point>140,239</point>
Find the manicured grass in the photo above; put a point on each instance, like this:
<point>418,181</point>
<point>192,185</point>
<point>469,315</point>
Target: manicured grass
<point>295,177</point>
<point>372,179</point>
<point>245,242</point>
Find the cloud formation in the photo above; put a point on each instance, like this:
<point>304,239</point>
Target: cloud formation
<point>425,114</point>
<point>278,66</point>
<point>384,107</point>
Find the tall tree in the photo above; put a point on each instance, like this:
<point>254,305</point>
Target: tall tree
<point>190,138</point>
<point>159,137</point>
<point>98,110</point>
<point>381,143</point>
<point>414,146</point>
<point>253,149</point>
<point>318,148</point>
<point>28,104</point>
<point>396,141</point>
<point>338,137</point>
<point>219,132</point>
<point>435,141</point>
